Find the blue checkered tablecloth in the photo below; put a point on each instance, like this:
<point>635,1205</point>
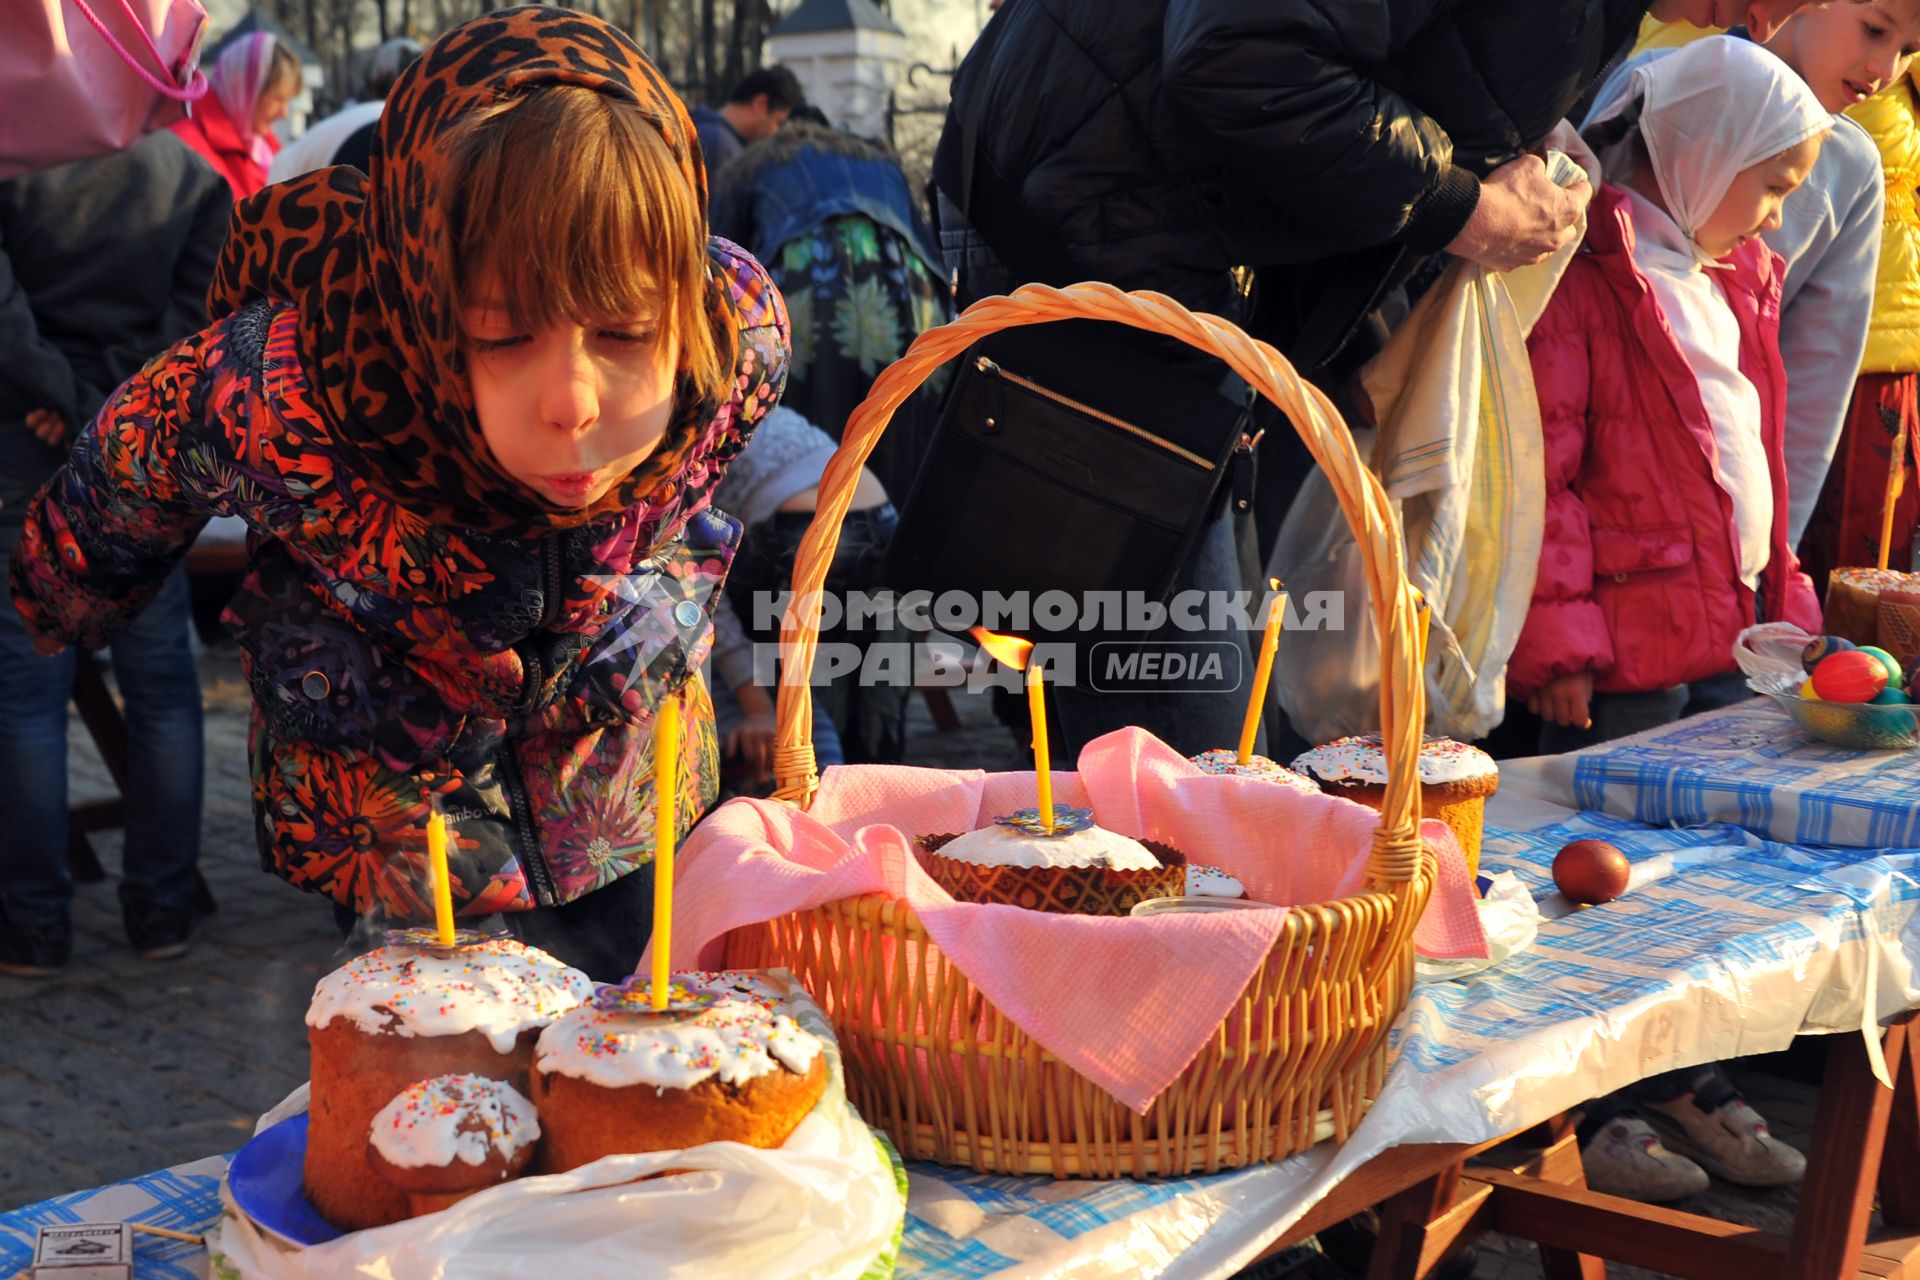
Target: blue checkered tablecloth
<point>1728,944</point>
<point>1749,765</point>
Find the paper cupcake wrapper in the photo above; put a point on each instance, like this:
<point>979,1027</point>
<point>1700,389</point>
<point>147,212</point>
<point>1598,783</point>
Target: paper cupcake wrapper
<point>1085,891</point>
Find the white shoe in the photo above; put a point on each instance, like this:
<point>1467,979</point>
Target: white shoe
<point>1626,1159</point>
<point>1731,1141</point>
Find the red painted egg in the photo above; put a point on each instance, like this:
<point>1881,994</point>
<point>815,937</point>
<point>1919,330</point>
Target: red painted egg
<point>1591,871</point>
<point>1853,676</point>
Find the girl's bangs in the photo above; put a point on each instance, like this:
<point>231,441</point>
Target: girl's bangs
<point>571,205</point>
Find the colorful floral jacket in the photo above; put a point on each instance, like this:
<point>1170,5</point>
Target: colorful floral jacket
<point>396,664</point>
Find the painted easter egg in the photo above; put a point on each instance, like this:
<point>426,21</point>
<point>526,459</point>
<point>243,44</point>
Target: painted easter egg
<point>1895,676</point>
<point>1853,676</point>
<point>1591,871</point>
<point>1890,697</point>
<point>1807,692</point>
<point>1821,646</point>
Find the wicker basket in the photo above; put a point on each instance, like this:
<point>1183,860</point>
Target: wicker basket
<point>931,1060</point>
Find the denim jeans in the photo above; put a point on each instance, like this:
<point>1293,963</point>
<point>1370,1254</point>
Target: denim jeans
<point>870,719</point>
<point>154,666</point>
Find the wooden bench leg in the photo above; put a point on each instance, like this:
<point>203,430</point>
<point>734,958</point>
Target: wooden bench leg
<point>1849,1135</point>
<point>1560,1163</point>
<point>1900,1163</point>
<point>1423,1225</point>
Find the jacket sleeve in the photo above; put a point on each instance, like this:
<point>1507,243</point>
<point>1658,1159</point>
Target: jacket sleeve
<point>1565,630</point>
<point>35,374</point>
<point>1823,332</point>
<point>141,480</point>
<point>1284,91</point>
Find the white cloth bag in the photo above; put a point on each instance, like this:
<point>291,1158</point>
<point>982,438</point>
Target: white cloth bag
<point>1459,449</point>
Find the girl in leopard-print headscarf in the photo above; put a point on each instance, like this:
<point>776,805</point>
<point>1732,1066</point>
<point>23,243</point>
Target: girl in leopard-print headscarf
<point>471,405</point>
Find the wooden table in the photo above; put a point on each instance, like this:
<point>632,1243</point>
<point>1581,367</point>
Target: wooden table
<point>1434,1198</point>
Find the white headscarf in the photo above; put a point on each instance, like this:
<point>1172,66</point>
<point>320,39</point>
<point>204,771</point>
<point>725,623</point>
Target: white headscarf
<point>1707,111</point>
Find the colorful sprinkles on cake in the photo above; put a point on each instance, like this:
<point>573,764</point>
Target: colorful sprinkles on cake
<point>498,988</point>
<point>737,1037</point>
<point>453,1117</point>
<point>1360,759</point>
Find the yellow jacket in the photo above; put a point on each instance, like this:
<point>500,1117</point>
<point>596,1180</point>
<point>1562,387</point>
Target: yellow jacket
<point>1892,117</point>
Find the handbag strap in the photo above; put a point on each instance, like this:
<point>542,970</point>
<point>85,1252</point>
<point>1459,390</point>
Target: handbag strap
<point>196,86</point>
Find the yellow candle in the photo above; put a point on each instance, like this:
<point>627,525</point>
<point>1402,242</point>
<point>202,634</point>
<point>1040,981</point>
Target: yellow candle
<point>439,881</point>
<point>1896,480</point>
<point>1262,674</point>
<point>666,789</point>
<point>1042,764</point>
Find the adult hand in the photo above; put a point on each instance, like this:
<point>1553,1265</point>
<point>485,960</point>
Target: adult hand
<point>47,426</point>
<point>1565,700</point>
<point>752,744</point>
<point>1522,217</point>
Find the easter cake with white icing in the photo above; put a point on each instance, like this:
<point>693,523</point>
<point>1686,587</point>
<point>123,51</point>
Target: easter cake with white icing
<point>724,1063</point>
<point>1075,868</point>
<point>441,1140</point>
<point>405,1013</point>
<point>1455,781</point>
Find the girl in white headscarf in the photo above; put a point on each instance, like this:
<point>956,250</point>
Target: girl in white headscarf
<point>1662,401</point>
<point>1661,393</point>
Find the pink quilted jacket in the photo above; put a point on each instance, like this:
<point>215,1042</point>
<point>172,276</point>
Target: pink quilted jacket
<point>1638,579</point>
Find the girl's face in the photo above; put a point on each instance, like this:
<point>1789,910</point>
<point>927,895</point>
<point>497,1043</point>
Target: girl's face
<point>1848,52</point>
<point>271,107</point>
<point>569,410</point>
<point>1752,203</point>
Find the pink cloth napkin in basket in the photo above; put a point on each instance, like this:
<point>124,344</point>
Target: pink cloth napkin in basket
<point>1126,1002</point>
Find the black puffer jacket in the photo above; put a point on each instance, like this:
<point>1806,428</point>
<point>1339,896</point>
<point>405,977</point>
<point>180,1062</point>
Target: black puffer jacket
<point>1157,143</point>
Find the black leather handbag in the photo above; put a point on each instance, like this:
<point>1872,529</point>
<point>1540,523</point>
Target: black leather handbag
<point>1074,456</point>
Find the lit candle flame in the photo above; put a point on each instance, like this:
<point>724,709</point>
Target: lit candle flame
<point>1014,652</point>
<point>1011,651</point>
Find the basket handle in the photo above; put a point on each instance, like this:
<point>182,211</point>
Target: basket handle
<point>1397,852</point>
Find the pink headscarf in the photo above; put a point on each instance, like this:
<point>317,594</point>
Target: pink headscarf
<point>237,79</point>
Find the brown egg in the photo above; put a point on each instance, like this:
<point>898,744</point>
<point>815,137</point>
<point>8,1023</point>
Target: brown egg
<point>1591,871</point>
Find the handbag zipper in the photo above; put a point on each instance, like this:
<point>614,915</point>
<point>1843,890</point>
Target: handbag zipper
<point>986,365</point>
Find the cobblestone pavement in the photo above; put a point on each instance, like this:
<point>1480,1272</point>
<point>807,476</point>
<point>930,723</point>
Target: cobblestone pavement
<point>121,1066</point>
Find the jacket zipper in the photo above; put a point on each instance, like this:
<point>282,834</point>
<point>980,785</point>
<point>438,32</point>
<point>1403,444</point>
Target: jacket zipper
<point>539,876</point>
<point>985,365</point>
<point>535,862</point>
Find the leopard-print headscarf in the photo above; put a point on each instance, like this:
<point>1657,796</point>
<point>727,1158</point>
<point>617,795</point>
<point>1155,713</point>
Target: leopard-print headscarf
<point>355,252</point>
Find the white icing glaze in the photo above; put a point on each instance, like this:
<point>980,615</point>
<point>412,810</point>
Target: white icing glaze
<point>739,1039</point>
<point>1228,762</point>
<point>1359,759</point>
<point>499,989</point>
<point>1212,882</point>
<point>432,1123</point>
<point>1001,846</point>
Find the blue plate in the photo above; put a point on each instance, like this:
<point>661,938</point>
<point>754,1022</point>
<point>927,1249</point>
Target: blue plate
<point>266,1178</point>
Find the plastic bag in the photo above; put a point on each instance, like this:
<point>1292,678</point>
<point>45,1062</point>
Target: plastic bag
<point>1459,448</point>
<point>1769,654</point>
<point>825,1204</point>
<point>1511,920</point>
